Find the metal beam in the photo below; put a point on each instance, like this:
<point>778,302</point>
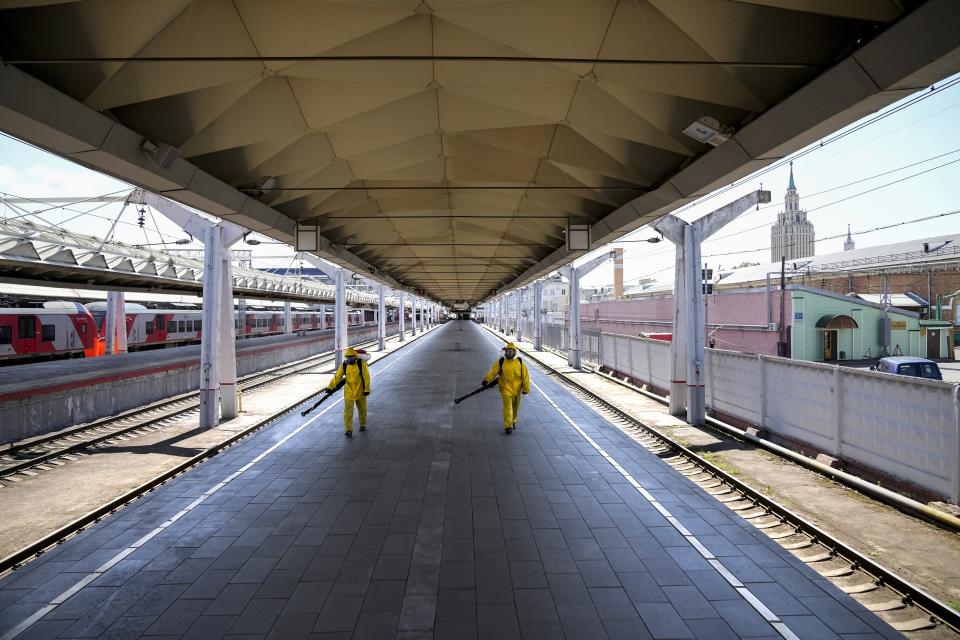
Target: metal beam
<point>916,51</point>
<point>35,112</point>
<point>687,344</point>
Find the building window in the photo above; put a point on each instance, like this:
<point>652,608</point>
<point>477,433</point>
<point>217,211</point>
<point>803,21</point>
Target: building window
<point>6,335</point>
<point>48,332</point>
<point>27,328</point>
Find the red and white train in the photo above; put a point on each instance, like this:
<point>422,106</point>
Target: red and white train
<point>70,329</point>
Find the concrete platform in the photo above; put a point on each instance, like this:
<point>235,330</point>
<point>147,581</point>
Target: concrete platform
<point>41,397</point>
<point>430,524</point>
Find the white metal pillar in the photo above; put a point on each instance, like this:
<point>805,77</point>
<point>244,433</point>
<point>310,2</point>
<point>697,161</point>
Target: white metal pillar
<point>688,300</point>
<point>241,324</point>
<point>227,352</point>
<point>573,355</point>
<point>403,313</point>
<point>519,305</point>
<point>537,310</point>
<point>413,315</point>
<point>382,319</point>
<point>678,341</point>
<point>340,336</point>
<point>210,336</point>
<point>287,318</point>
<point>115,321</point>
<point>218,370</point>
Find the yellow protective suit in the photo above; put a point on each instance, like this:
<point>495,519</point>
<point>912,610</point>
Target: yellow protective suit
<point>354,391</point>
<point>514,381</point>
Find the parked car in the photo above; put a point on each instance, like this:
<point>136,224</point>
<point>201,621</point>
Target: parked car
<point>907,366</point>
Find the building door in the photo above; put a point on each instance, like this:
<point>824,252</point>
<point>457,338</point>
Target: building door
<point>829,345</point>
<point>933,343</point>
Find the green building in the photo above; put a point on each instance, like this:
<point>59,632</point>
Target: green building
<point>827,326</point>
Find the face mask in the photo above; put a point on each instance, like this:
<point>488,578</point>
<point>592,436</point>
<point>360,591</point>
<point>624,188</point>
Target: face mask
<point>510,353</point>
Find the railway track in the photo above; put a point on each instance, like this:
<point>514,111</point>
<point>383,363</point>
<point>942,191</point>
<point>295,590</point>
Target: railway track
<point>21,460</point>
<point>903,605</point>
<point>37,547</point>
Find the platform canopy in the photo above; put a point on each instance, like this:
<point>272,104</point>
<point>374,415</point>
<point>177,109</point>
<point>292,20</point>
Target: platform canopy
<point>446,143</point>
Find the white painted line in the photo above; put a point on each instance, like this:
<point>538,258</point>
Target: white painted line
<point>63,597</point>
<point>26,624</point>
<point>742,590</point>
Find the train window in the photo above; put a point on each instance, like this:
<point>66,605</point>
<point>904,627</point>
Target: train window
<point>149,328</point>
<point>48,332</point>
<point>189,325</point>
<point>181,326</point>
<point>160,320</point>
<point>196,325</point>
<point>27,328</point>
<point>6,335</point>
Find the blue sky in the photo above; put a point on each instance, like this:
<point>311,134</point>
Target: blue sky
<point>929,128</point>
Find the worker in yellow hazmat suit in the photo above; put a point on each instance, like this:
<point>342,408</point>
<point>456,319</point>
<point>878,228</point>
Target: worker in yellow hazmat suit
<point>356,389</point>
<point>514,382</point>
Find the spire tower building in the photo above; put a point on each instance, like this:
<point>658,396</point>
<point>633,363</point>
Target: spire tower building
<point>848,243</point>
<point>792,237</point>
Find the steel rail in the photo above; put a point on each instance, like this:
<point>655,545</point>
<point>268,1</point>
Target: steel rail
<point>37,548</point>
<point>909,593</point>
<point>268,376</point>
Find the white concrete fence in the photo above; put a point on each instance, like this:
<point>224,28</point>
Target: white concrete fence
<point>907,428</point>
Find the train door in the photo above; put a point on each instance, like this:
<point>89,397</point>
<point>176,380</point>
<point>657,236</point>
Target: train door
<point>71,332</point>
<point>25,340</point>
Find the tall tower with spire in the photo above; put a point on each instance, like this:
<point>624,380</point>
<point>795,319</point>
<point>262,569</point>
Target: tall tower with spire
<point>848,243</point>
<point>792,237</point>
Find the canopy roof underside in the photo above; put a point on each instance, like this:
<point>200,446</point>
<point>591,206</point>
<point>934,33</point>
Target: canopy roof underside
<point>450,140</point>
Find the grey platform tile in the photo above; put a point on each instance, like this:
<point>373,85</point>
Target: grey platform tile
<point>452,631</point>
<point>568,589</point>
<point>742,618</point>
<point>418,613</point>
<point>308,598</point>
<point>280,583</point>
<point>292,626</point>
<point>45,629</point>
<point>580,621</point>
<point>209,627</point>
<point>178,618</point>
<point>457,605</point>
<point>497,621</point>
<point>558,561</point>
<point>712,629</point>
<point>339,613</point>
<point>663,622</point>
<point>613,604</point>
<point>541,630</point>
<point>209,584</point>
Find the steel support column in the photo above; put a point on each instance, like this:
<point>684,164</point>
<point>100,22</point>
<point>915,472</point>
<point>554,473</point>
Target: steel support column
<point>573,356</point>
<point>403,314</point>
<point>687,354</point>
<point>413,316</point>
<point>519,310</point>
<point>382,319</point>
<point>287,318</point>
<point>210,335</point>
<point>340,336</point>
<point>537,310</point>
<point>115,321</point>
<point>227,352</point>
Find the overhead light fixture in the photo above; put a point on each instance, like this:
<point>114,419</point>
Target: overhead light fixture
<point>708,131</point>
<point>160,153</point>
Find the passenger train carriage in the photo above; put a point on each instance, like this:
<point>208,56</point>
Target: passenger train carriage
<point>60,328</point>
<point>67,329</point>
